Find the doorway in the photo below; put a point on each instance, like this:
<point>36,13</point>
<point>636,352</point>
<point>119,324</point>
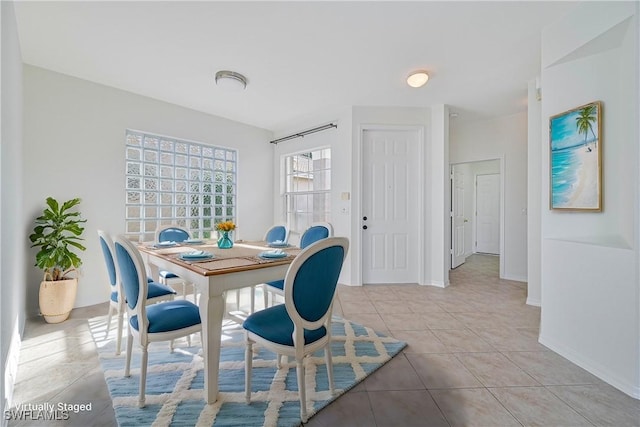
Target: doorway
<point>476,210</point>
<point>487,214</point>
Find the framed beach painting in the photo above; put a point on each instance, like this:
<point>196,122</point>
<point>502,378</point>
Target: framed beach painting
<point>576,159</point>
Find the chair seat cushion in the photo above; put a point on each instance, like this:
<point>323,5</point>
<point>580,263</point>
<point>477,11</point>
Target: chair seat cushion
<point>167,274</point>
<point>170,316</point>
<point>277,284</point>
<point>275,325</point>
<point>156,289</point>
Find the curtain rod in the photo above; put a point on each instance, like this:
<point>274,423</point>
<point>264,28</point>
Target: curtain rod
<point>304,132</point>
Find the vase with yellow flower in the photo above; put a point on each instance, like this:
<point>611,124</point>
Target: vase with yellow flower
<point>224,228</point>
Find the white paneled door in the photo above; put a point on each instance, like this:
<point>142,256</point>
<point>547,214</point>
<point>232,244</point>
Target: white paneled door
<point>390,206</point>
<point>488,214</point>
<point>458,221</point>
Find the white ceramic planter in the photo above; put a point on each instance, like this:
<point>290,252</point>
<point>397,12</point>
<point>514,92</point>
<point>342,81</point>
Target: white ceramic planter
<point>57,299</point>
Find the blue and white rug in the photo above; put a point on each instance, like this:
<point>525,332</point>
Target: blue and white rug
<point>175,380</point>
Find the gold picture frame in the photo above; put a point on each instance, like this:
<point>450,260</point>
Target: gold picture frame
<point>575,159</point>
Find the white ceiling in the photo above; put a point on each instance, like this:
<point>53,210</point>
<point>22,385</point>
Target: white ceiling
<point>300,58</point>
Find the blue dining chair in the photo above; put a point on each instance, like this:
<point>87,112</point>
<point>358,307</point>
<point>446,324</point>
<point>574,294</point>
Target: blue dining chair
<point>164,321</point>
<point>317,231</point>
<point>157,292</point>
<point>302,325</point>
<point>173,233</point>
<point>277,233</point>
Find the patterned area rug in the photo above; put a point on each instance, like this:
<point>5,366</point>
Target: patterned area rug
<point>175,380</point>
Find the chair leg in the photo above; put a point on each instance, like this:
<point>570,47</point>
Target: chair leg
<point>301,389</point>
<point>184,297</point>
<point>238,299</point>
<point>127,366</point>
<point>119,333</point>
<point>253,299</point>
<point>106,335</point>
<point>329,362</point>
<point>265,294</point>
<point>248,366</point>
<point>283,359</point>
<point>143,376</point>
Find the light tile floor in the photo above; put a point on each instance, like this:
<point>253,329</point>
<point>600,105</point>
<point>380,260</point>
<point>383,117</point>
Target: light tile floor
<point>473,359</point>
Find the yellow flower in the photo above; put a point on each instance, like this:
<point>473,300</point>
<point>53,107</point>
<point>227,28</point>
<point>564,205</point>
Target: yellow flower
<point>225,226</point>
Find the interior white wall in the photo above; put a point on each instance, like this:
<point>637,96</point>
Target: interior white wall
<point>339,140</point>
<point>74,147</point>
<point>590,300</point>
<point>440,200</point>
<point>368,117</point>
<point>345,142</point>
<point>535,200</point>
<point>501,138</point>
<point>14,243</point>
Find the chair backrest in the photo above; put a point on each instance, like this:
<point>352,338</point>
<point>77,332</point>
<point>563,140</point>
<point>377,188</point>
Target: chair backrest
<point>133,275</point>
<point>311,281</point>
<point>107,251</point>
<point>277,232</point>
<point>315,232</point>
<point>171,233</point>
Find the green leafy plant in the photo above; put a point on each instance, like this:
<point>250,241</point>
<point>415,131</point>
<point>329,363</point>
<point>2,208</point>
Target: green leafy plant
<point>56,233</point>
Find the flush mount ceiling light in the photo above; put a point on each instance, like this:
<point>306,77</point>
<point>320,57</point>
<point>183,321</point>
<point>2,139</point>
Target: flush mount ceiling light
<point>417,78</point>
<point>231,79</point>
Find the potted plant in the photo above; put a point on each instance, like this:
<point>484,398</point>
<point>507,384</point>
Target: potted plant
<point>57,233</point>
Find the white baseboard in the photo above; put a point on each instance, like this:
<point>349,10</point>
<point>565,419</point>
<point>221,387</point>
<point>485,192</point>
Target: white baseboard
<point>600,371</point>
<point>514,278</point>
<point>5,408</point>
<point>11,368</point>
<point>533,302</point>
<point>438,284</point>
<point>350,284</point>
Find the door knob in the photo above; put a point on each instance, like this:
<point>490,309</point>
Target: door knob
<point>364,227</point>
<point>364,218</point>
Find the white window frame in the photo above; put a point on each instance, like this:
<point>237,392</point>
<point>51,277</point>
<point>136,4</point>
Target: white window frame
<point>175,181</point>
<point>299,220</point>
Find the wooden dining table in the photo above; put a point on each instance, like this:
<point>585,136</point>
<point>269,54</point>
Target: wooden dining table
<point>238,267</point>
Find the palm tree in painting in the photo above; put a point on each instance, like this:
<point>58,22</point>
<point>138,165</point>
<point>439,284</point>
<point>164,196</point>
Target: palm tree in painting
<point>586,116</point>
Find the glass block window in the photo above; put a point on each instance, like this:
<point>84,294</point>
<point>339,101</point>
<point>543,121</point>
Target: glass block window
<point>307,188</point>
<point>170,181</point>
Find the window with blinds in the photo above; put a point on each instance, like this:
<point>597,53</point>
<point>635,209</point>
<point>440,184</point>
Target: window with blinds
<point>307,188</point>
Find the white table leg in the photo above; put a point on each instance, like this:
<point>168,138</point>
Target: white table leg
<point>153,271</point>
<point>211,314</point>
